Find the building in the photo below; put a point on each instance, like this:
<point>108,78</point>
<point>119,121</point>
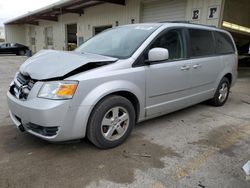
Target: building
<point>2,34</point>
<point>68,23</point>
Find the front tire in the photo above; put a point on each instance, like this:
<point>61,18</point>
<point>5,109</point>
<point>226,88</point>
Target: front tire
<point>21,53</point>
<point>222,93</point>
<point>111,122</point>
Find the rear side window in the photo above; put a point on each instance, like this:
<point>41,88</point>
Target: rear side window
<point>223,43</point>
<point>201,43</point>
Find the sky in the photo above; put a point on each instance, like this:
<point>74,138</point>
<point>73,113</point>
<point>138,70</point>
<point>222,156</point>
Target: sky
<point>10,9</point>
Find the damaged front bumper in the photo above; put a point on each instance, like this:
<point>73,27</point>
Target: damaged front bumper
<point>51,120</point>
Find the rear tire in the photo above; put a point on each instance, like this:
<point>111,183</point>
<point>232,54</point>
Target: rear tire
<point>111,122</point>
<point>222,93</point>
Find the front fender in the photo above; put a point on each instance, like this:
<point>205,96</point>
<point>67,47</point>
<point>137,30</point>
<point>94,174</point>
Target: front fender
<point>107,88</point>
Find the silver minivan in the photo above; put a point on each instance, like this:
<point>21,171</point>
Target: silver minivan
<point>122,76</point>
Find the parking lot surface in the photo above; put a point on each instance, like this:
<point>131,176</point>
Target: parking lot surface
<point>201,146</point>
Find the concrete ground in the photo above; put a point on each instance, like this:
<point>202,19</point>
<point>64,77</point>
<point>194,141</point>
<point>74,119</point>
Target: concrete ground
<point>201,146</point>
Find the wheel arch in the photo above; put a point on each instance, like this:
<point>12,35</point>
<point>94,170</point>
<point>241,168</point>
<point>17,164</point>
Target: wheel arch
<point>123,88</point>
<point>229,76</point>
<point>131,97</point>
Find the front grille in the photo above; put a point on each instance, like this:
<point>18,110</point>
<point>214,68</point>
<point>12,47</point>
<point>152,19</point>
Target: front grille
<point>21,86</point>
<point>22,79</point>
<point>45,131</point>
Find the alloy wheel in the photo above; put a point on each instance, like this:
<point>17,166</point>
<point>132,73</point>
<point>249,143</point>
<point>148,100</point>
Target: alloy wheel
<point>223,92</point>
<point>115,123</point>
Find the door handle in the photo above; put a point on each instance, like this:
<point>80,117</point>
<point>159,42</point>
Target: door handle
<point>185,67</point>
<point>197,66</point>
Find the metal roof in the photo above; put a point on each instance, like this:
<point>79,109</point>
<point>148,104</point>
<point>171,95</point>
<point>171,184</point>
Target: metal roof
<point>52,11</point>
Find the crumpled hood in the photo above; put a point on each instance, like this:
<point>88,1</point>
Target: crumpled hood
<point>48,64</point>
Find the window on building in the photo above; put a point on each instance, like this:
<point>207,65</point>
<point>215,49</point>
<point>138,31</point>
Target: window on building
<point>49,36</point>
<point>201,43</point>
<point>33,41</point>
<point>223,43</point>
<point>32,34</point>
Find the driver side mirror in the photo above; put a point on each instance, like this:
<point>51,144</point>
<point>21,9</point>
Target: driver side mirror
<point>158,54</point>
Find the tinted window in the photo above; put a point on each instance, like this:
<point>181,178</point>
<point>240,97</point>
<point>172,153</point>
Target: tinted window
<point>223,43</point>
<point>201,43</point>
<point>5,45</point>
<point>173,41</point>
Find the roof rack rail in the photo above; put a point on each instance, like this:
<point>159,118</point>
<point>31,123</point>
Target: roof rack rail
<point>187,22</point>
<point>178,21</point>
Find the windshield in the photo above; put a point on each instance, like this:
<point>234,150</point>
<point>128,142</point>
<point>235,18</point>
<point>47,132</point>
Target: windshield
<point>120,42</point>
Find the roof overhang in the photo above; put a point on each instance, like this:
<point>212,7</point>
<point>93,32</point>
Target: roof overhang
<point>52,12</point>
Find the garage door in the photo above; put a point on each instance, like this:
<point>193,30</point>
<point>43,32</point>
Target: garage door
<point>163,10</point>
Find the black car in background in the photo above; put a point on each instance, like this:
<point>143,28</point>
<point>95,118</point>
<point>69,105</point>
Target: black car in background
<point>13,48</point>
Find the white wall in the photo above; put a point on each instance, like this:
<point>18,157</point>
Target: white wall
<point>58,31</point>
<point>108,14</point>
<point>100,15</point>
<point>15,33</point>
<point>203,5</point>
<point>168,10</point>
<point>2,36</point>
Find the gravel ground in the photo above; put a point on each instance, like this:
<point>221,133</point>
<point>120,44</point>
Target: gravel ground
<point>200,146</point>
